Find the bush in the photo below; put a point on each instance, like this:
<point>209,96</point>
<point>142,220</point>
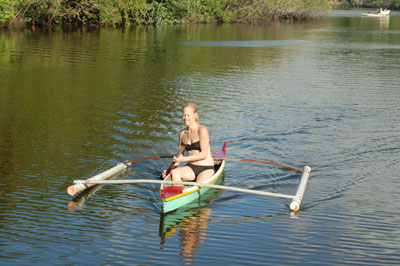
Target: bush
<point>7,11</point>
<point>123,12</point>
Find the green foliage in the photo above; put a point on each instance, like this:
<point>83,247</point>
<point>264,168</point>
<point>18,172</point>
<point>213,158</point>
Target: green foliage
<point>124,12</point>
<point>7,11</point>
<point>391,4</point>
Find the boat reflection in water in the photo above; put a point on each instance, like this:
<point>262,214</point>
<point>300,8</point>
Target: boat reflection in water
<point>190,224</point>
<point>78,202</point>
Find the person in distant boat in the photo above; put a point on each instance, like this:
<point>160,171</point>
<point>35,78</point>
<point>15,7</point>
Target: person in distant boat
<point>196,140</point>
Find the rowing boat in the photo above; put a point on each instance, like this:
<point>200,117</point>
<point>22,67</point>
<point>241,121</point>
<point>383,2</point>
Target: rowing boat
<point>174,197</point>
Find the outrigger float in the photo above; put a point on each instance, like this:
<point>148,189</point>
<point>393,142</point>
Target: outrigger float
<point>175,194</point>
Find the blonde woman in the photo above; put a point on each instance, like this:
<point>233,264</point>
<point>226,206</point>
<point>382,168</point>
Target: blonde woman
<point>196,140</point>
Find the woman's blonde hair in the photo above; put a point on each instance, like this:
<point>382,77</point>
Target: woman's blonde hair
<point>194,107</point>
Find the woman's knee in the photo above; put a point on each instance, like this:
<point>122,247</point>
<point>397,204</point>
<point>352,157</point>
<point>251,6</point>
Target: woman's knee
<point>175,175</point>
<point>185,174</point>
<point>205,175</point>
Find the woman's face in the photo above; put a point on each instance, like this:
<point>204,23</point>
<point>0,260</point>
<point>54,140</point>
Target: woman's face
<point>188,115</point>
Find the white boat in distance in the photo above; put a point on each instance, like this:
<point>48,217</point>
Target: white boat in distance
<point>379,13</point>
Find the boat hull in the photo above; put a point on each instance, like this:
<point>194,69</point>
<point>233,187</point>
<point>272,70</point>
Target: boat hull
<point>191,194</point>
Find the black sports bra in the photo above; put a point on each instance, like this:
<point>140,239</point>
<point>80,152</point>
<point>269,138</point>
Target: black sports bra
<point>193,146</point>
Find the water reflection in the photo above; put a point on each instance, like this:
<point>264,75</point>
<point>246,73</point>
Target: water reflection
<point>245,43</point>
<point>75,102</point>
<point>190,223</point>
<point>78,202</point>
<point>192,227</point>
<point>381,22</point>
<point>384,22</point>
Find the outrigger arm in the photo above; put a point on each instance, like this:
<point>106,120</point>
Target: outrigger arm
<point>96,180</point>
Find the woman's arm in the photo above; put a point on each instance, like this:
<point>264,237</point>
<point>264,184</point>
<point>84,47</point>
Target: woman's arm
<point>181,150</point>
<point>182,142</point>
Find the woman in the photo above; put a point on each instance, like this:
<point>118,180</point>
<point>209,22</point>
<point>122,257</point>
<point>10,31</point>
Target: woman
<point>195,139</point>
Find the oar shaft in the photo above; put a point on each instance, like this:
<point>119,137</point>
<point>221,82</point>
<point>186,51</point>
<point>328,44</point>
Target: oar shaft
<point>264,162</point>
<point>148,158</point>
<point>135,181</point>
<point>227,159</point>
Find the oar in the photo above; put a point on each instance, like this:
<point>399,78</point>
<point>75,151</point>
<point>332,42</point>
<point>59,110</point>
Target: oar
<point>259,161</point>
<point>147,158</point>
<point>216,158</point>
<point>171,166</point>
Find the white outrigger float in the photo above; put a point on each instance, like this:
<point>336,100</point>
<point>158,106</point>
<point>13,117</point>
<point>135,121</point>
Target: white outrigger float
<point>379,13</point>
<point>172,193</point>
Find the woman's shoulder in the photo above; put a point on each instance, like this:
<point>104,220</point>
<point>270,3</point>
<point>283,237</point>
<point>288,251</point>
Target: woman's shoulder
<point>203,129</point>
<point>182,132</point>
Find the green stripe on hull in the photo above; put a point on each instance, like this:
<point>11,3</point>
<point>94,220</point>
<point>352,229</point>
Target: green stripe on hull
<point>179,202</point>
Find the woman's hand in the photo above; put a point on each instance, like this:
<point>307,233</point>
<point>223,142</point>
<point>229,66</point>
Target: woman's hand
<point>178,159</point>
<point>164,174</point>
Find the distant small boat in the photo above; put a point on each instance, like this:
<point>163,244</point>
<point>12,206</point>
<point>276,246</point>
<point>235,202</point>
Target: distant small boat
<point>380,13</point>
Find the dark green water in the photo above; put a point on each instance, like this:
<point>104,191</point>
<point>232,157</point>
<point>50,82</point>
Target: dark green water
<point>323,93</point>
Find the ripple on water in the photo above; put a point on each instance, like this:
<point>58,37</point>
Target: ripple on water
<point>92,100</point>
<point>245,43</point>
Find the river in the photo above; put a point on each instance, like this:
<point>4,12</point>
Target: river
<point>324,93</point>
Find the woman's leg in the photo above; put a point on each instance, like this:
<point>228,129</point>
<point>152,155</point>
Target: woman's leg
<point>206,174</point>
<point>184,173</point>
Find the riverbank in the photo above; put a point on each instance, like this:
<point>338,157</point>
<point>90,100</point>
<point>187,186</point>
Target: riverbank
<point>142,12</point>
<point>341,4</point>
